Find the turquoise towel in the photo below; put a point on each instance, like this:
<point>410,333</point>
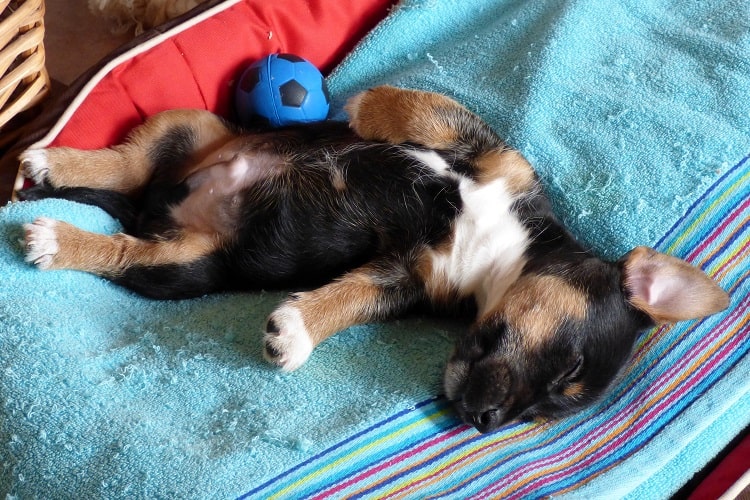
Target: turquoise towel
<point>631,111</point>
<point>105,393</point>
<point>628,109</point>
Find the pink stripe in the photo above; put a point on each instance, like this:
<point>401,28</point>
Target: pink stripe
<point>598,431</point>
<point>642,421</point>
<point>583,442</point>
<point>652,340</point>
<point>720,229</point>
<point>740,253</point>
<point>711,237</point>
<point>621,416</point>
<point>367,473</point>
<point>453,464</point>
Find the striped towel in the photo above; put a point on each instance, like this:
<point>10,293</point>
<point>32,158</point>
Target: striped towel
<point>635,114</point>
<point>683,398</point>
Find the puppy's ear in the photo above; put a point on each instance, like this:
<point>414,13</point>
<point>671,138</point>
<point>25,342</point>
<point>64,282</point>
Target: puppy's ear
<point>669,289</point>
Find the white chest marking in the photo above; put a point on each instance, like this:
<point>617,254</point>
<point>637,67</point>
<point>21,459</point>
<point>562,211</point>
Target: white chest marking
<point>487,252</point>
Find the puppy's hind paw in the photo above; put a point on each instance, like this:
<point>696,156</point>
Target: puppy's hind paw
<point>353,105</point>
<point>286,342</point>
<point>40,241</point>
<point>359,117</point>
<point>34,165</point>
<point>383,113</point>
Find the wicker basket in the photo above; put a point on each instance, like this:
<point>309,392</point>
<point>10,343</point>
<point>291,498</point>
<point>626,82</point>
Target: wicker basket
<point>23,77</point>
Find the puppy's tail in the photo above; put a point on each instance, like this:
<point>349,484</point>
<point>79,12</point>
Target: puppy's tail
<point>115,204</point>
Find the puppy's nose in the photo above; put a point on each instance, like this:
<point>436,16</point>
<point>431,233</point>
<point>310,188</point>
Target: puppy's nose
<point>487,420</point>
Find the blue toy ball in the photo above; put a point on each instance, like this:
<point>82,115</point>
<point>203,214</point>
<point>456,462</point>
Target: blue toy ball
<point>281,89</point>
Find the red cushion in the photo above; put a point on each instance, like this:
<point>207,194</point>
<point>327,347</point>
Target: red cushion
<point>197,67</point>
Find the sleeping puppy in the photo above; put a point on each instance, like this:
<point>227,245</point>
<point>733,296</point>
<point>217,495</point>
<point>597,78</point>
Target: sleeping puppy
<point>417,202</point>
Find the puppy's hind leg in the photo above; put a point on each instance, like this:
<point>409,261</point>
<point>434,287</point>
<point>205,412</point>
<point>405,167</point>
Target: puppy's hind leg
<point>375,291</point>
<point>437,122</point>
<point>171,139</point>
<point>176,268</point>
<point>399,115</point>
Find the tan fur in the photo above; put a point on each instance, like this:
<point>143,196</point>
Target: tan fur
<point>510,165</point>
<point>337,179</point>
<point>120,168</point>
<point>126,168</point>
<point>691,293</point>
<point>396,115</point>
<point>111,255</point>
<point>576,389</point>
<point>535,306</point>
<point>436,285</point>
<point>159,11</point>
<point>143,14</point>
<point>350,300</point>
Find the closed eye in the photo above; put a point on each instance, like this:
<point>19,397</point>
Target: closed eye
<point>575,372</point>
<point>570,376</point>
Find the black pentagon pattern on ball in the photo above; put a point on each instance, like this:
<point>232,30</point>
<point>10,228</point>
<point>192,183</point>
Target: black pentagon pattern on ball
<point>250,79</point>
<point>290,57</point>
<point>292,94</point>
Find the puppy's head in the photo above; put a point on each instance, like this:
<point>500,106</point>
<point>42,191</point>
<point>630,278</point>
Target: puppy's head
<point>561,334</point>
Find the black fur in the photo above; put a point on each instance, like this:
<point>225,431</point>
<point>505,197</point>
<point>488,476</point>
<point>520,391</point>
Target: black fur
<point>317,205</point>
<point>115,204</point>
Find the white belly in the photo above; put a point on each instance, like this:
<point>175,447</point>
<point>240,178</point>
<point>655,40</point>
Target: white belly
<point>487,251</point>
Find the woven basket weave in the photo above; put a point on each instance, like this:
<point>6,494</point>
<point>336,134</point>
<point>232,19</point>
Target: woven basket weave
<point>23,77</point>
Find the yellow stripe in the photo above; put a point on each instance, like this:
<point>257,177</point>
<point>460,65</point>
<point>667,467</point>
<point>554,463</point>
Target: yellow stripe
<point>636,416</point>
<point>359,451</point>
<point>690,229</point>
<point>475,453</point>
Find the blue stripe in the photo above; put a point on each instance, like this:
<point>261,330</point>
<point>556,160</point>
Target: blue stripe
<point>711,222</point>
<point>388,449</point>
<point>411,471</point>
<point>394,448</point>
<point>699,201</point>
<point>634,446</point>
<point>582,424</point>
<point>741,232</point>
<point>453,449</point>
<point>339,445</point>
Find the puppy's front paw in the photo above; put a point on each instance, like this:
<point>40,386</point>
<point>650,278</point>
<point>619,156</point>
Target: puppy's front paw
<point>34,165</point>
<point>40,240</point>
<point>286,342</point>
